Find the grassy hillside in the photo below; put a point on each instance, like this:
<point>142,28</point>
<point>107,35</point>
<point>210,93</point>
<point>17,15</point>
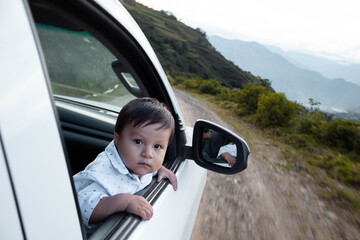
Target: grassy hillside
<point>311,142</point>
<point>184,51</point>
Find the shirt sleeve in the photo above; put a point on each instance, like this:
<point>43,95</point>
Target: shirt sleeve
<point>89,194</point>
<point>230,148</point>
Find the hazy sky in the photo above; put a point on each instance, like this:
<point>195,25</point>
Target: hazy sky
<point>326,27</point>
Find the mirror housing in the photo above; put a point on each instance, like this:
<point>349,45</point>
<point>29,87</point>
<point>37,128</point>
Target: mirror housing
<point>242,149</point>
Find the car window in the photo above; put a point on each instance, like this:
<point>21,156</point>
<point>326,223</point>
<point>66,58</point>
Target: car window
<point>80,68</point>
<point>97,68</point>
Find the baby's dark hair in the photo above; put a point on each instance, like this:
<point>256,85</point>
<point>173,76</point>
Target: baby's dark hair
<point>146,111</point>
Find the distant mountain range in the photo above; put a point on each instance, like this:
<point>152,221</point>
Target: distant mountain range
<point>299,76</point>
<point>329,68</point>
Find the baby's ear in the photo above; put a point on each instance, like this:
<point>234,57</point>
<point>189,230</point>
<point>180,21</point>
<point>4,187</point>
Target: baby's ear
<point>116,136</point>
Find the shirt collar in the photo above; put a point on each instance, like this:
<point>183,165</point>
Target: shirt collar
<point>115,159</point>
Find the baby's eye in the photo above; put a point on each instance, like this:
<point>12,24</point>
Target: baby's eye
<point>138,141</point>
<point>157,146</point>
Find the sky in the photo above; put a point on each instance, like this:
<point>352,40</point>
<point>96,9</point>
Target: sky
<point>327,28</point>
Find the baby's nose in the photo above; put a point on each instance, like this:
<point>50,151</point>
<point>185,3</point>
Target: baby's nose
<point>147,152</point>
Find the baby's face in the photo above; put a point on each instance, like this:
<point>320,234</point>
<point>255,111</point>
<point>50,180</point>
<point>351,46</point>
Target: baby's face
<point>143,148</point>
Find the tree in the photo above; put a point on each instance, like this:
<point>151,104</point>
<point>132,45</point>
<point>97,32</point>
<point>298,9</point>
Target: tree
<point>313,105</point>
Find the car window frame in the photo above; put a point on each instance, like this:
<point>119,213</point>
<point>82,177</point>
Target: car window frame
<point>114,34</point>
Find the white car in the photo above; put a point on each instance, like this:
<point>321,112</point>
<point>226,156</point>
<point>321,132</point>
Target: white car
<point>67,68</point>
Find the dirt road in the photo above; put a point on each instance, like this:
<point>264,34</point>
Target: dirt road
<point>264,201</point>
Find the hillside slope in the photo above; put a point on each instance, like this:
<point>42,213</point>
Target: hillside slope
<point>184,51</point>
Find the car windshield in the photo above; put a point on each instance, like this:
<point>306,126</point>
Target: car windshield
<point>80,68</point>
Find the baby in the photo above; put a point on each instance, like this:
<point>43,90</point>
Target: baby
<point>143,131</point>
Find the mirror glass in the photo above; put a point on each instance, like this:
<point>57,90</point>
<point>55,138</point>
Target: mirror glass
<point>218,149</point>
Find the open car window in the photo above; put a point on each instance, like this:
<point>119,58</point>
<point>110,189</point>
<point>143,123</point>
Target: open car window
<point>93,73</point>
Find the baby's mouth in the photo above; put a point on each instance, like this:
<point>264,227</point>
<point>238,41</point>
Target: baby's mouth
<point>144,164</point>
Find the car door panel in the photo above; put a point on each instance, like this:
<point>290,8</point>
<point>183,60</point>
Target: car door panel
<point>8,207</point>
<point>175,211</point>
<point>30,134</point>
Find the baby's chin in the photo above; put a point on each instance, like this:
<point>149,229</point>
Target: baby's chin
<point>141,172</point>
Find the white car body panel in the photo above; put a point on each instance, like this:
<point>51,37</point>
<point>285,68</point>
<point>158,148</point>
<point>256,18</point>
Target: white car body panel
<point>176,222</point>
<point>30,135</point>
<point>10,217</point>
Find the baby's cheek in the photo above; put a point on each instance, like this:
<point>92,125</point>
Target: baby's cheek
<point>162,157</point>
<point>160,161</point>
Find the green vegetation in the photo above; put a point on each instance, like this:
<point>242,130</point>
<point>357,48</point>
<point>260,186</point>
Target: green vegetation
<point>248,98</point>
<point>329,148</point>
<point>275,110</point>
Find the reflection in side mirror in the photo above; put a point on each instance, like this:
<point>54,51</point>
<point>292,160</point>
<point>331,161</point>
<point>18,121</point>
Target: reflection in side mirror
<point>218,149</point>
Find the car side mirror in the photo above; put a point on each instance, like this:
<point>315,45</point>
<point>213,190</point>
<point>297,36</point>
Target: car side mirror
<point>218,149</point>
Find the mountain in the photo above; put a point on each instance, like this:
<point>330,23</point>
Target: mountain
<point>329,68</point>
<point>183,50</point>
<point>297,83</point>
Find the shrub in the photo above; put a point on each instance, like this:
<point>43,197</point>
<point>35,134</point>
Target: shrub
<point>191,84</point>
<point>274,110</point>
<point>227,94</point>
<point>179,80</point>
<point>348,173</point>
<point>248,98</point>
<point>228,105</point>
<point>310,124</point>
<point>342,134</point>
<point>210,86</point>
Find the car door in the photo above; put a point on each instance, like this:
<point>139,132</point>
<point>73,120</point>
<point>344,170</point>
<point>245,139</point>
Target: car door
<point>39,197</point>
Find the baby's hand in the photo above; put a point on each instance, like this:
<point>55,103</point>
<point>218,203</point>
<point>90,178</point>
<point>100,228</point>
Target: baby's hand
<point>230,159</point>
<point>163,172</point>
<point>139,206</point>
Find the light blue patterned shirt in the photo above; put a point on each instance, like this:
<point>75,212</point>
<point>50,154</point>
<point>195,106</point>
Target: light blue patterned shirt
<point>105,176</point>
<point>229,148</point>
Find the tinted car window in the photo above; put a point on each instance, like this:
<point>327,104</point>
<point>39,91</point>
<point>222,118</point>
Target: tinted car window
<point>80,68</point>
